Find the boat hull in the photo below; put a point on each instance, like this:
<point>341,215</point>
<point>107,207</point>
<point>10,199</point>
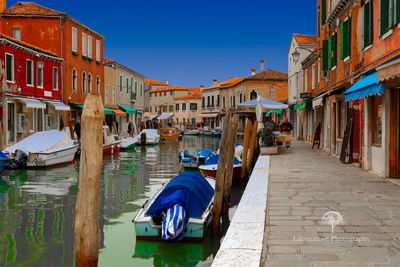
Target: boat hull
<point>212,172</point>
<point>110,149</point>
<point>3,163</point>
<point>53,158</point>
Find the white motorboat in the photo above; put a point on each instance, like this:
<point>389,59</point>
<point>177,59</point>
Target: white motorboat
<point>128,143</point>
<point>44,149</point>
<point>192,132</point>
<point>190,190</point>
<point>148,137</point>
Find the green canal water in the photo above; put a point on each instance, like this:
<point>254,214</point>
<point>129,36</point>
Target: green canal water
<point>37,211</point>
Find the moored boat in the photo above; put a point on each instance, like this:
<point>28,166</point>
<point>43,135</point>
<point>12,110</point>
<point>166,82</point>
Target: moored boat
<point>111,142</point>
<point>4,160</point>
<point>181,209</point>
<point>209,169</point>
<point>42,149</point>
<point>168,134</point>
<point>148,137</point>
<point>128,143</point>
<point>193,158</point>
<point>192,132</point>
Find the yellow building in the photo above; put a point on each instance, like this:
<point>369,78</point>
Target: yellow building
<point>187,110</point>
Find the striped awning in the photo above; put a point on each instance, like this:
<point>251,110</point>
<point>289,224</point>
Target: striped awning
<point>128,110</point>
<point>32,103</point>
<point>118,112</point>
<point>59,106</point>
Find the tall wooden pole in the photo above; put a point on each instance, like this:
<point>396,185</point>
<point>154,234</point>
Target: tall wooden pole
<point>252,144</point>
<point>87,205</point>
<point>229,164</point>
<point>245,149</point>
<point>219,183</point>
<point>68,117</point>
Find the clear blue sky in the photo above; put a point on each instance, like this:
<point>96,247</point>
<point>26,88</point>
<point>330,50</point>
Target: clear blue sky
<point>189,42</point>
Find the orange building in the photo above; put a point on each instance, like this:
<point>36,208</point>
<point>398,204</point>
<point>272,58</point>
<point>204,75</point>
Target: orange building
<point>80,47</point>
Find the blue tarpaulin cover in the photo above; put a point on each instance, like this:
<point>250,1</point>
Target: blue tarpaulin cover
<point>3,160</point>
<point>365,87</point>
<point>189,189</point>
<point>214,160</point>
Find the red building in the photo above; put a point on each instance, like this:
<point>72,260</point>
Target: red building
<point>30,89</point>
<point>80,47</point>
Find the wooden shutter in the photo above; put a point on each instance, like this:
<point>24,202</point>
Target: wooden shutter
<point>342,37</point>
<point>397,11</point>
<point>384,16</point>
<point>334,47</point>
<point>325,56</point>
<point>323,12</point>
<point>348,37</point>
<point>330,51</point>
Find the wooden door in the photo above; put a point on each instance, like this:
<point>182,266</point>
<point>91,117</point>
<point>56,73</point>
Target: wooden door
<point>394,139</point>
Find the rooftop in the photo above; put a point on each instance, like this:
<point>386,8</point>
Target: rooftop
<point>190,96</point>
<point>155,83</point>
<point>175,88</point>
<point>305,38</point>
<point>232,80</point>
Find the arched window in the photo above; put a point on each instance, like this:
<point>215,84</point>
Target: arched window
<point>74,80</point>
<point>253,94</point>
<point>89,83</point>
<point>98,84</point>
<point>84,82</point>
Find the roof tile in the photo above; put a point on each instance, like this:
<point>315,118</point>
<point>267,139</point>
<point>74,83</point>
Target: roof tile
<point>30,8</point>
<point>155,83</point>
<point>305,39</point>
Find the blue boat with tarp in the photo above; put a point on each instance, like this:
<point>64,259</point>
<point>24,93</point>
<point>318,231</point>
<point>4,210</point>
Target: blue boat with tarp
<point>193,158</point>
<point>4,160</point>
<point>180,210</point>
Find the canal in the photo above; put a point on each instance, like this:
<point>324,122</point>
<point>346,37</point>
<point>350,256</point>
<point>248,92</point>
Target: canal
<point>37,211</point>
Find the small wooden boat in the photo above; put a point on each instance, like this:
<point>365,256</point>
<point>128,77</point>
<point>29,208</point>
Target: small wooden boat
<point>4,160</point>
<point>193,194</point>
<point>209,169</point>
<point>111,142</point>
<point>168,134</point>
<point>42,149</point>
<point>193,158</point>
<point>217,134</point>
<point>128,143</point>
<point>148,137</point>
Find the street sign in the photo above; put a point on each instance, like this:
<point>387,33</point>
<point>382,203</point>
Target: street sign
<point>305,95</point>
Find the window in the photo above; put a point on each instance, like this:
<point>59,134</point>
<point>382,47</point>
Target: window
<point>244,98</point>
<point>98,84</point>
<point>313,76</point>
<point>176,107</point>
<point>223,102</point>
<point>83,82</point>
<point>55,78</point>
<point>212,101</point>
<point>155,109</point>
<point>325,57</point>
<point>305,81</point>
<point>10,68</point>
<point>193,106</point>
<point>106,94</point>
<point>141,90</point>
<point>240,97</point>
<point>332,50</point>
<point>177,121</point>
<point>193,121</point>
<point>74,40</point>
<point>127,85</point>
<point>74,80</point>
<point>319,70</point>
<point>89,83</point>
<point>39,74</point>
<point>377,120</point>
<point>345,37</point>
<point>217,100</point>
<point>98,50</point>
<point>208,101</point>
<point>113,95</point>
<point>90,47</point>
<point>29,72</point>
<point>368,24</point>
<point>203,100</point>
<point>165,108</point>
<point>120,83</point>
<point>171,108</point>
<point>387,16</point>
<point>253,95</point>
<point>131,84</point>
<point>323,11</point>
<point>84,44</point>
<point>234,101</point>
<point>136,88</point>
<point>17,33</point>
<point>151,109</point>
<point>183,106</point>
<point>230,101</point>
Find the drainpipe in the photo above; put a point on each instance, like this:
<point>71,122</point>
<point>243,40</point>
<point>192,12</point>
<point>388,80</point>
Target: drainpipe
<point>61,55</point>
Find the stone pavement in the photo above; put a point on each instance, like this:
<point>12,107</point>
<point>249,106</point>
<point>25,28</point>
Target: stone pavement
<point>304,185</point>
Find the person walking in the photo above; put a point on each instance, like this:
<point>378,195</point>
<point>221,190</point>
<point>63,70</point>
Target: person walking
<point>62,125</point>
<point>77,129</point>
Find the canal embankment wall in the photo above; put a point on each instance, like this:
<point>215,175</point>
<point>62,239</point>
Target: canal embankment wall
<point>242,244</point>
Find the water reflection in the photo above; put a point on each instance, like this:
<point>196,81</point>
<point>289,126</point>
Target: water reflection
<point>37,211</point>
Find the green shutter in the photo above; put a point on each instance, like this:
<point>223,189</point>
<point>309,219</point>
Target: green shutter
<point>29,72</point>
<point>330,51</point>
<point>397,11</point>
<point>384,16</point>
<point>141,89</point>
<point>120,83</point>
<point>325,57</point>
<point>367,22</point>
<point>323,11</point>
<point>334,47</point>
<point>342,37</point>
<point>127,85</point>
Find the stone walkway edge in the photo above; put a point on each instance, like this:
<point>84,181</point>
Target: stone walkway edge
<point>243,242</point>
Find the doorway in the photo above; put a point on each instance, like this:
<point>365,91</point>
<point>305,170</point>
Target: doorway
<point>394,138</point>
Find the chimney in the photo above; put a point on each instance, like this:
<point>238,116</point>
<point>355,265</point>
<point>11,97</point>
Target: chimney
<point>261,65</point>
<point>215,81</point>
<point>166,81</point>
<point>2,6</point>
<point>201,87</point>
<point>253,71</point>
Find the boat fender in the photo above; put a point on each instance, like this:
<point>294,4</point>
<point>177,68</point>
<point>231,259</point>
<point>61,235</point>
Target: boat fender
<point>143,138</point>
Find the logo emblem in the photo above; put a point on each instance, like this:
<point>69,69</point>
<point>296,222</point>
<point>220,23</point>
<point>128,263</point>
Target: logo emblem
<point>332,218</point>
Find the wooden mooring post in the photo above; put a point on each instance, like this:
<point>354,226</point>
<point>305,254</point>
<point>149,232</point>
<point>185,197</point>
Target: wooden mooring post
<point>252,145</point>
<point>87,206</point>
<point>229,164</point>
<point>245,149</point>
<point>220,177</point>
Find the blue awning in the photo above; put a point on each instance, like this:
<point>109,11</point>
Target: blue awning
<point>365,87</point>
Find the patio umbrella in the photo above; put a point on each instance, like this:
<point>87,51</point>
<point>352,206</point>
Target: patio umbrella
<point>259,112</point>
<point>266,103</point>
